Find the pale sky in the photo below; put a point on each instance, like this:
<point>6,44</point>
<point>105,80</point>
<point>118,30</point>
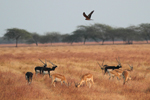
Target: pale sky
<point>64,16</point>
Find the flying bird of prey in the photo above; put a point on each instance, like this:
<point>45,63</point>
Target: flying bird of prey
<point>89,16</point>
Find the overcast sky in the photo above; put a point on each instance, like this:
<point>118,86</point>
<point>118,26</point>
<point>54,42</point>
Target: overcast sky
<point>64,16</point>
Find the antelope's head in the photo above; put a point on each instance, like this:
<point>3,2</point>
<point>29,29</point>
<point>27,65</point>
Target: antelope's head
<point>45,64</point>
<point>119,64</point>
<point>102,66</point>
<point>131,67</point>
<point>54,66</point>
<point>76,84</point>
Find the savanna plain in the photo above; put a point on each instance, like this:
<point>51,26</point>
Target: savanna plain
<point>73,62</point>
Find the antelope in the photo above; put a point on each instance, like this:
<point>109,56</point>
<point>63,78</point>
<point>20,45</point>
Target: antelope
<point>85,78</point>
<point>118,72</point>
<point>28,76</point>
<point>44,69</point>
<point>107,68</point>
<point>38,69</point>
<point>125,75</point>
<point>114,74</point>
<point>58,78</point>
<point>102,66</point>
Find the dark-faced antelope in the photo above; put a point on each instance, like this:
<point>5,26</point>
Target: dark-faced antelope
<point>58,78</point>
<point>107,68</point>
<point>28,77</point>
<point>47,70</point>
<point>102,66</point>
<point>38,69</point>
<point>85,78</point>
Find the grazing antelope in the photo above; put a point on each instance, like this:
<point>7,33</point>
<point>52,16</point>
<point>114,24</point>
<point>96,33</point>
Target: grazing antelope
<point>28,76</point>
<point>47,70</point>
<point>58,78</point>
<point>85,78</point>
<point>38,69</point>
<point>125,75</point>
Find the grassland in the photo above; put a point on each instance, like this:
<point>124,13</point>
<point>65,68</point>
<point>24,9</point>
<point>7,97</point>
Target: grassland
<point>73,62</point>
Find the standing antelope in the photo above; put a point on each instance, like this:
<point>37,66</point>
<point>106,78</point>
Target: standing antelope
<point>125,74</point>
<point>28,76</point>
<point>85,78</point>
<point>58,78</point>
<point>102,66</point>
<point>47,70</point>
<point>119,72</point>
<point>107,68</point>
<point>114,74</point>
<point>38,69</point>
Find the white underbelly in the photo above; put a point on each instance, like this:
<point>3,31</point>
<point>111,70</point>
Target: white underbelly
<point>57,79</point>
<point>45,72</point>
<point>109,70</point>
<point>37,71</point>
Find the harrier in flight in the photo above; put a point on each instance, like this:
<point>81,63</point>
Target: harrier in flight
<point>89,16</point>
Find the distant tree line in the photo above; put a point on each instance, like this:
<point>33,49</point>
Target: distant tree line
<point>95,32</point>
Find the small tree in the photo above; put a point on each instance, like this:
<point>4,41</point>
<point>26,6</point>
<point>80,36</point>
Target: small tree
<point>145,31</point>
<point>70,38</point>
<point>53,37</point>
<point>102,31</point>
<point>16,33</point>
<point>36,38</point>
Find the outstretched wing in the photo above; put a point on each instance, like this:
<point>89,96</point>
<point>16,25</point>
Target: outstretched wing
<point>85,15</point>
<point>89,16</point>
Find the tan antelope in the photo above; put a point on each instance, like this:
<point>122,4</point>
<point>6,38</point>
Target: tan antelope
<point>123,69</point>
<point>118,72</point>
<point>114,74</point>
<point>85,78</point>
<point>58,78</point>
<point>125,74</point>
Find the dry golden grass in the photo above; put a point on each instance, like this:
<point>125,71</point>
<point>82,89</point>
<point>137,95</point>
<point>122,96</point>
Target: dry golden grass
<point>73,62</point>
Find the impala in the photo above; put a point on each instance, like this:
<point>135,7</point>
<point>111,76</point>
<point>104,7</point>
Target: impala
<point>58,78</point>
<point>85,78</point>
<point>38,69</point>
<point>28,76</point>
